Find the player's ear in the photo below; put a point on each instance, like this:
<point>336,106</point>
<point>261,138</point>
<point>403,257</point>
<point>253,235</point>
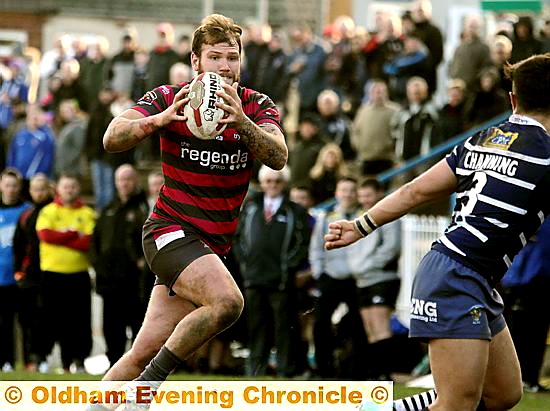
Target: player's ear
<point>195,62</point>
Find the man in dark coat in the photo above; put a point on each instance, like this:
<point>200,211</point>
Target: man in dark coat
<point>272,243</point>
<point>118,260</point>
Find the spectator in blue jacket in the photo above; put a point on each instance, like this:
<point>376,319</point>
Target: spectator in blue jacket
<point>13,98</point>
<point>32,149</point>
<point>414,61</point>
<point>11,207</point>
<point>13,90</point>
<point>306,66</point>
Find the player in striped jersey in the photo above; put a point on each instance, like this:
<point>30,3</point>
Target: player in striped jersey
<point>501,178</point>
<point>195,217</point>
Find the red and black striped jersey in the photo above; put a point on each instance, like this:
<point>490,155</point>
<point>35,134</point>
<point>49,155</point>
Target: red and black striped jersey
<point>206,181</point>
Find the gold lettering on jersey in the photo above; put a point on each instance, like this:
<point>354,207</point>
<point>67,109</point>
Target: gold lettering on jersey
<point>494,162</point>
<point>499,139</point>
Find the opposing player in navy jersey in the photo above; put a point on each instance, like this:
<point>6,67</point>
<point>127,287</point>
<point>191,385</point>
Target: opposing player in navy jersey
<point>501,177</point>
<point>196,213</point>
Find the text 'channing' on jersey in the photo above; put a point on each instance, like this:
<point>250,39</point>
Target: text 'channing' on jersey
<point>502,194</point>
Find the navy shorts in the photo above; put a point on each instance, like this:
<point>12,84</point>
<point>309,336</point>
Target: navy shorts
<point>450,300</point>
<point>170,254</point>
<point>383,293</point>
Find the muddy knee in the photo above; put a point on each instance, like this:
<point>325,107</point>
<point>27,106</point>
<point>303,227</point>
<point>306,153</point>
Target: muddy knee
<point>228,309</point>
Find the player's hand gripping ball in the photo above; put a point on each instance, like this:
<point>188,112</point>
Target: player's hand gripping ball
<point>201,111</point>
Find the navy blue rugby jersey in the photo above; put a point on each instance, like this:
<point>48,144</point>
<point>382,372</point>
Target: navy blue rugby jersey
<point>502,197</point>
<point>205,180</point>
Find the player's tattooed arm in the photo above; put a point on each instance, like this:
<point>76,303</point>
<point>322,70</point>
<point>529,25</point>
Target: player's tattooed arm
<point>266,142</point>
<point>129,128</point>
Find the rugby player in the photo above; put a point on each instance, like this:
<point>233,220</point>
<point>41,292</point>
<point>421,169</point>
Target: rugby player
<point>501,178</point>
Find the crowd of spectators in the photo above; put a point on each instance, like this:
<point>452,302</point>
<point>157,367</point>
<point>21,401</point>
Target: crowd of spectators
<point>354,103</point>
<point>325,80</point>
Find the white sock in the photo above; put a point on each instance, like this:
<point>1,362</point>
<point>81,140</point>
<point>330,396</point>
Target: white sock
<point>415,402</point>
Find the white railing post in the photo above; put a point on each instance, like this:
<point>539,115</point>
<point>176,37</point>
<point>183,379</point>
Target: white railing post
<point>417,235</point>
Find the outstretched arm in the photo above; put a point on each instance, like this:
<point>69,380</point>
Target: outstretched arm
<point>129,128</point>
<point>266,142</point>
<point>438,182</point>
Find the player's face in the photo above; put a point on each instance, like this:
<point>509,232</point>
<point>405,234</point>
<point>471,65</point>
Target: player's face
<point>221,58</point>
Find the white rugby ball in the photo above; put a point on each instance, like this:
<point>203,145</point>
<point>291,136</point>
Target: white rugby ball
<point>201,111</point>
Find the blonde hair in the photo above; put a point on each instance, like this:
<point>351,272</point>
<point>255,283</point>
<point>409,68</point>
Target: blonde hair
<point>319,169</point>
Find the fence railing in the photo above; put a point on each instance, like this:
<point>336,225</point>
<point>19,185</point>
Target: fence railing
<point>439,150</point>
<point>417,235</point>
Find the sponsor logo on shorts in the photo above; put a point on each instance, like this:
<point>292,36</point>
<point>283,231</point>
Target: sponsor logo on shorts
<point>377,299</point>
<point>476,312</point>
<point>165,239</point>
<point>423,310</point>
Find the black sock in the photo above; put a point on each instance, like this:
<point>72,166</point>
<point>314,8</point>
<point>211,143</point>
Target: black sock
<point>417,402</point>
<point>380,358</point>
<point>414,402</point>
<point>160,366</point>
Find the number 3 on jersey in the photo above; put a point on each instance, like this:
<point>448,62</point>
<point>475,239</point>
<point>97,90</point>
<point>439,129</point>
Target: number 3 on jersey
<point>470,197</point>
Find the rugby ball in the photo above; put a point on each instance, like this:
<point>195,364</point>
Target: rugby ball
<point>201,111</point>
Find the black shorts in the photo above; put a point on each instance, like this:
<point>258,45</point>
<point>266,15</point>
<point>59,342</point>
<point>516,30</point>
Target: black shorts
<point>384,293</point>
<point>176,252</point>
